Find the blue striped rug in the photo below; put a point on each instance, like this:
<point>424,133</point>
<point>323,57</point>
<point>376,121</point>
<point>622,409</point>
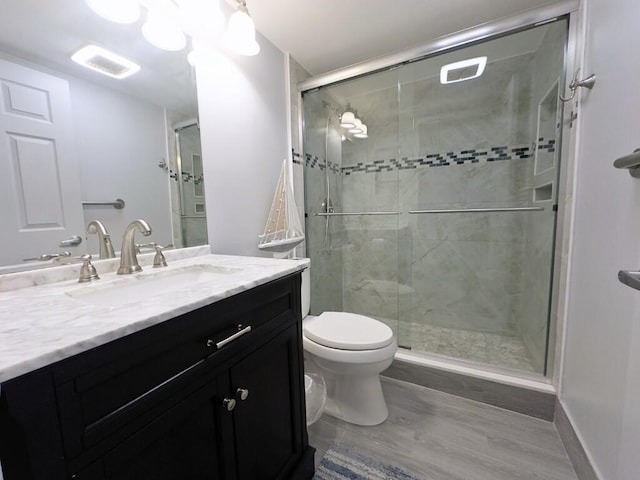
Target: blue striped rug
<point>342,463</point>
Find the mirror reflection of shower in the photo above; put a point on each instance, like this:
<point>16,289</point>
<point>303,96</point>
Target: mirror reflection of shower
<point>187,186</point>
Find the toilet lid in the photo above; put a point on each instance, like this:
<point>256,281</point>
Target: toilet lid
<point>348,331</point>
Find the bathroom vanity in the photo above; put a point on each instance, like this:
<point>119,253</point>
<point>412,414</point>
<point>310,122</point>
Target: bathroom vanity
<point>205,383</point>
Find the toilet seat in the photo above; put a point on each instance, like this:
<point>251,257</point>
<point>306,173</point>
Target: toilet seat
<point>347,331</point>
<point>351,357</point>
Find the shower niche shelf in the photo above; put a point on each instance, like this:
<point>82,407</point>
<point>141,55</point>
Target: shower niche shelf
<point>543,193</point>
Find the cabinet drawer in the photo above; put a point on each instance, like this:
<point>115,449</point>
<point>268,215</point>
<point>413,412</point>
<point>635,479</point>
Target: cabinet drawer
<point>123,383</point>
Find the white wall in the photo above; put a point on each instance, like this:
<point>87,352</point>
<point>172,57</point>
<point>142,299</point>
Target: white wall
<point>120,141</point>
<point>243,126</point>
<point>600,379</point>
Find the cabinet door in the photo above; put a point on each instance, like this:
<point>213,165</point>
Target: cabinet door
<point>269,422</point>
<point>186,442</point>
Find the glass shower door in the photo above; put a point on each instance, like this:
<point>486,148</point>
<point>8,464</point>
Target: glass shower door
<point>481,202</point>
<point>353,237</point>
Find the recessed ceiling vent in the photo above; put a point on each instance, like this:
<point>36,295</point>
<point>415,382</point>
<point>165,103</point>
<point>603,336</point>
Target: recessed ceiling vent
<point>103,61</point>
<point>464,70</point>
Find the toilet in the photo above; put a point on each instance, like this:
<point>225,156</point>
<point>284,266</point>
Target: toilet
<point>349,351</point>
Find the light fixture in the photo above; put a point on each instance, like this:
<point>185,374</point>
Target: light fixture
<point>200,18</point>
<point>119,11</point>
<point>194,56</point>
<point>105,62</point>
<point>200,55</point>
<point>460,71</point>
<point>357,128</point>
<point>363,133</point>
<point>162,29</point>
<point>241,32</point>
<point>347,120</point>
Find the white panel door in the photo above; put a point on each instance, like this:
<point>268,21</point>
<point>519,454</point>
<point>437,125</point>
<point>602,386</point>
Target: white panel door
<point>39,177</point>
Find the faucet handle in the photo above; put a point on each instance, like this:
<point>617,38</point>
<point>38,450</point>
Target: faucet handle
<point>158,259</point>
<point>87,271</point>
<point>140,246</point>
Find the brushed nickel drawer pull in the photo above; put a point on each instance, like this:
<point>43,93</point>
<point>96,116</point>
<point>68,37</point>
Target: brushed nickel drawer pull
<point>241,331</point>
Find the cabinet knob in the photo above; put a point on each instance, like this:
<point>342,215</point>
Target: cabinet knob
<point>242,393</point>
<point>229,404</point>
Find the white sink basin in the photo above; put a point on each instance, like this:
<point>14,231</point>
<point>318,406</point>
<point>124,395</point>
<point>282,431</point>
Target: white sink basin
<point>139,287</point>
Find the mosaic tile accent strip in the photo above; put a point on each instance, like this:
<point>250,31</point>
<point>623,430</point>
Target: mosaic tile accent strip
<point>472,155</point>
<point>313,161</point>
<point>549,146</point>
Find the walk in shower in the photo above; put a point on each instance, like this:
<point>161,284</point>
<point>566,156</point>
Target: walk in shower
<point>441,222</point>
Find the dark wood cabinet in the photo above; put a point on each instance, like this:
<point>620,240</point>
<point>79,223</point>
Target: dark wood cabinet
<point>270,415</point>
<point>217,393</point>
<point>184,442</point>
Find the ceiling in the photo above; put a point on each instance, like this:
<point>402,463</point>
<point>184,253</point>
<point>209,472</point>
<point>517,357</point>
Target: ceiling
<point>46,33</point>
<point>323,35</point>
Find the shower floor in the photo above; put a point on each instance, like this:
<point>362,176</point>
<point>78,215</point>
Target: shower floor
<point>489,348</point>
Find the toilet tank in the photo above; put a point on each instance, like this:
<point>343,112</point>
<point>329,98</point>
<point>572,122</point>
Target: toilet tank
<point>306,292</point>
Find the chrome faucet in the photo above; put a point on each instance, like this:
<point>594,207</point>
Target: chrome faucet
<point>128,258</point>
<point>104,240</point>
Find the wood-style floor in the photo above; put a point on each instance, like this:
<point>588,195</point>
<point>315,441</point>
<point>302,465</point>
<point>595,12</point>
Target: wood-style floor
<point>438,436</point>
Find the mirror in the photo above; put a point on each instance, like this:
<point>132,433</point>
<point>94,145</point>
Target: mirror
<point>120,139</point>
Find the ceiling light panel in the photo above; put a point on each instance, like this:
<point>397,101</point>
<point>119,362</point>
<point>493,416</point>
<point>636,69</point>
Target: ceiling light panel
<point>464,70</point>
<point>104,61</point>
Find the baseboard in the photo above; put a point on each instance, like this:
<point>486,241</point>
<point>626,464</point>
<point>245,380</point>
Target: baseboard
<point>581,463</point>
<point>510,397</point>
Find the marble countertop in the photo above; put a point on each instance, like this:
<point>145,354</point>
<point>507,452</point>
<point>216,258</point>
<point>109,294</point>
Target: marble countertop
<point>45,323</point>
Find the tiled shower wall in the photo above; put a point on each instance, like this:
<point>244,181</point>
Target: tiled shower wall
<point>435,146</point>
<point>454,270</point>
<point>324,237</point>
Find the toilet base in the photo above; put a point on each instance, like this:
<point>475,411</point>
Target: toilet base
<point>356,399</point>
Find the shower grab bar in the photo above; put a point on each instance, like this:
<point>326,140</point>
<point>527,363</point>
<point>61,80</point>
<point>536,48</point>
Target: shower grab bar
<point>480,210</point>
<point>117,204</point>
<point>631,162</point>
<point>347,214</point>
